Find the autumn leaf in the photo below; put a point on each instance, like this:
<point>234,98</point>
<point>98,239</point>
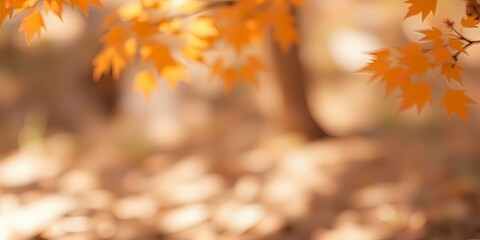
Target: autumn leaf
<point>470,22</point>
<point>430,34</point>
<point>424,7</point>
<point>32,25</point>
<point>398,71</point>
<point>192,53</point>
<point>395,78</point>
<point>130,11</point>
<point>452,72</point>
<point>203,27</point>
<point>286,36</point>
<point>440,53</point>
<point>230,76</point>
<point>160,55</point>
<point>108,59</point>
<point>171,42</point>
<point>414,58</point>
<point>284,29</point>
<point>216,68</point>
<point>84,5</point>
<point>249,71</point>
<point>455,102</point>
<point>56,6</point>
<point>114,36</point>
<point>173,74</point>
<point>415,94</point>
<point>242,24</point>
<point>379,64</point>
<point>144,83</point>
<point>457,45</point>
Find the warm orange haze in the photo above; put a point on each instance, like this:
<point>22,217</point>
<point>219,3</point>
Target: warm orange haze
<point>239,119</point>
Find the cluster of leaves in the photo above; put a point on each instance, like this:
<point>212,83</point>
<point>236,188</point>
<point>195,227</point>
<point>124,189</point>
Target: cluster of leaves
<point>33,23</point>
<point>169,35</point>
<point>406,68</point>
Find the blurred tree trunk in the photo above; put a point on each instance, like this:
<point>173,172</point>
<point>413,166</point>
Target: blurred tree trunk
<point>293,83</point>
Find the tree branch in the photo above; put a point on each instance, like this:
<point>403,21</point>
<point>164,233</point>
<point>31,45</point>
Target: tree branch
<point>209,6</point>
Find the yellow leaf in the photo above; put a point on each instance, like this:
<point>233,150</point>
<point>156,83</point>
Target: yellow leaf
<point>160,55</point>
<point>32,25</point>
<point>196,41</point>
<point>144,83</point>
<point>130,48</point>
<point>185,7</point>
<point>173,74</point>
<point>192,53</point>
<point>130,11</point>
<point>108,59</point>
<point>203,27</point>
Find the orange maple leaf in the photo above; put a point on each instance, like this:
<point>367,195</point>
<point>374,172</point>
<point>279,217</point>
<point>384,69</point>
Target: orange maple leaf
<point>144,83</point>
<point>414,58</point>
<point>173,74</point>
<point>379,64</point>
<point>430,34</point>
<point>56,6</point>
<point>160,55</point>
<point>457,45</point>
<point>251,68</point>
<point>84,5</point>
<point>285,32</point>
<point>415,94</point>
<point>230,76</point>
<point>32,25</point>
<point>455,102</point>
<point>452,72</point>
<point>425,7</point>
<point>394,78</point>
<point>440,53</point>
<point>470,22</point>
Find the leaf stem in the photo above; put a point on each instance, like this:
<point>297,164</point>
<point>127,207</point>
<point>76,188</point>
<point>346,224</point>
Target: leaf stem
<point>469,41</point>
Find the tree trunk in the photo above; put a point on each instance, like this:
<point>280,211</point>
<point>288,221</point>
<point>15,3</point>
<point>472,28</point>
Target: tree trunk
<point>293,81</point>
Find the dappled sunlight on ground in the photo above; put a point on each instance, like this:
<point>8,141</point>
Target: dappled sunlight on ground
<point>281,188</point>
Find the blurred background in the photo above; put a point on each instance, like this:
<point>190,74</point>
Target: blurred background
<point>93,160</point>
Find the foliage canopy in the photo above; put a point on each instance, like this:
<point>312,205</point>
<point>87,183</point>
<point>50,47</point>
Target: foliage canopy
<point>169,35</point>
<point>412,68</point>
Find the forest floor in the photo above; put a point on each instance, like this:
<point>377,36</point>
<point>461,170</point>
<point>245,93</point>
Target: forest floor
<point>243,185</point>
